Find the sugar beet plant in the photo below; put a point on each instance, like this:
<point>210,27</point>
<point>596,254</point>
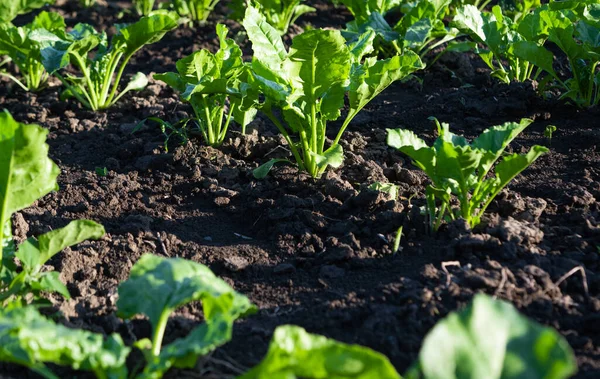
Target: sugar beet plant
<point>101,65</point>
<point>421,28</point>
<point>213,84</point>
<point>155,288</point>
<point>279,13</point>
<point>459,346</point>
<point>27,174</point>
<point>513,50</point>
<point>307,86</point>
<point>196,11</point>
<point>457,167</point>
<point>25,53</point>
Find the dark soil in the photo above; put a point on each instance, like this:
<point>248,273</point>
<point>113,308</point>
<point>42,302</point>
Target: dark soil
<point>317,253</point>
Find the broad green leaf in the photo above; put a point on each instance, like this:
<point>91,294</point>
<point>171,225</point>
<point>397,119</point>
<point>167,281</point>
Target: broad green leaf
<point>334,157</point>
<point>512,165</point>
<point>157,285</point>
<point>469,18</point>
<point>50,282</point>
<point>294,353</point>
<point>267,44</point>
<point>147,30</point>
<point>378,76</point>
<point>319,60</point>
<point>464,346</point>
<point>34,253</point>
<point>26,172</point>
<point>29,339</point>
<point>495,139</point>
<point>535,54</point>
<point>407,142</point>
<point>9,9</point>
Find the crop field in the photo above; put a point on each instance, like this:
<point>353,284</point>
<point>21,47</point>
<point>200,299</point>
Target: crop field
<point>279,189</point>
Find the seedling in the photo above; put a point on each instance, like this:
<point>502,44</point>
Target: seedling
<point>101,171</point>
<point>549,131</point>
<point>215,85</point>
<point>95,88</point>
<point>307,85</point>
<point>461,169</point>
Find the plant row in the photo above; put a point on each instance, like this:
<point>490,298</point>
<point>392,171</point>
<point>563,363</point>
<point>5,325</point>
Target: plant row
<point>460,346</point>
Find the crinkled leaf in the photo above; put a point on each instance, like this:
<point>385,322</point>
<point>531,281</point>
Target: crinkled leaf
<point>267,44</point>
<point>27,338</point>
<point>294,353</point>
<point>464,346</point>
<point>158,285</point>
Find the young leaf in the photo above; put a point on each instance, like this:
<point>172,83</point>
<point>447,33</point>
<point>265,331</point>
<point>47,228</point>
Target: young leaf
<point>157,286</point>
<point>464,346</point>
<point>31,340</point>
<point>294,353</point>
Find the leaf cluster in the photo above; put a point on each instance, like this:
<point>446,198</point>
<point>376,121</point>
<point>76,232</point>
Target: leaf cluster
<point>306,87</point>
<point>279,13</point>
<point>457,167</point>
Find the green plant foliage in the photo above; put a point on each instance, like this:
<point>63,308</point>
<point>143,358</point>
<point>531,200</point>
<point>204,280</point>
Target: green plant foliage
<point>462,345</point>
<point>308,85</point>
<point>158,286</point>
<point>195,10</point>
<point>279,13</point>
<point>143,7</point>
<point>215,86</point>
<point>87,3</point>
<point>362,9</point>
<point>574,27</point>
<point>97,61</point>
<point>459,168</point>
<point>421,28</point>
<point>490,339</point>
<point>519,44</point>
<point>294,353</point>
<point>25,53</point>
<point>27,174</point>
<point>29,339</point>
<point>9,9</point>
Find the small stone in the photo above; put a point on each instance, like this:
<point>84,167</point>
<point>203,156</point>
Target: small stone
<point>222,201</point>
<point>236,263</point>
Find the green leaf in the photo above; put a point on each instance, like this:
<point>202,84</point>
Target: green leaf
<point>147,30</point>
<point>334,157</point>
<point>512,165</point>
<point>50,282</point>
<point>495,139</point>
<point>9,9</point>
<point>267,44</point>
<point>407,142</point>
<point>29,339</point>
<point>262,171</point>
<point>35,253</point>
<point>378,76</point>
<point>158,285</point>
<point>534,54</point>
<point>294,353</point>
<point>26,172</point>
<point>464,346</point>
<point>321,60</point>
<point>138,82</point>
